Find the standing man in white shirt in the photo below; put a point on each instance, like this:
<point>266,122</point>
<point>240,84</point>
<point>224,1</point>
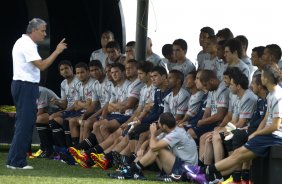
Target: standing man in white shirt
<point>27,65</point>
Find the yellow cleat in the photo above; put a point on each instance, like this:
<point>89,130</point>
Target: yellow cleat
<point>229,180</point>
<point>80,158</point>
<point>100,160</point>
<point>36,154</point>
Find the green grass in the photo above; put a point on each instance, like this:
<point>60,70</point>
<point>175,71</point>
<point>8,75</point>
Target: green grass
<point>55,172</point>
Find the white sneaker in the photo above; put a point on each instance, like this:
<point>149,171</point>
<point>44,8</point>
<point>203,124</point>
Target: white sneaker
<point>10,167</point>
<point>27,167</point>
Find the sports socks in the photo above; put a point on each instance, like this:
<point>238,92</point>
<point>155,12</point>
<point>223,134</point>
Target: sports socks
<point>58,133</point>
<point>246,174</point>
<point>87,143</point>
<point>68,138</point>
<point>46,138</point>
<point>236,176</point>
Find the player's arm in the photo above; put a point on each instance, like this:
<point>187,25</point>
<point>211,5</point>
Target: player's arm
<point>105,111</point>
<point>227,118</point>
<point>241,122</point>
<point>91,109</point>
<point>179,117</point>
<point>60,103</point>
<point>156,145</point>
<point>130,103</point>
<point>221,111</point>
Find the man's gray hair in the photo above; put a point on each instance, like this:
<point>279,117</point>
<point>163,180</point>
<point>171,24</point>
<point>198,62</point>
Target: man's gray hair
<point>34,24</point>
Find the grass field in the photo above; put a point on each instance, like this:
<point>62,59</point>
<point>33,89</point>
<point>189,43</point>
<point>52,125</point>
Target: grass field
<point>54,172</point>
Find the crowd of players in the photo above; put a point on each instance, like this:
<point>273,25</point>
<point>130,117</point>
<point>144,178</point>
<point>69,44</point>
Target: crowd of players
<point>185,117</point>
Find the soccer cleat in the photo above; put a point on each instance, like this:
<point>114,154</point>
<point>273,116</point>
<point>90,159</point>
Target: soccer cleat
<point>80,158</point>
<point>29,155</point>
<point>37,154</point>
<point>192,168</point>
<point>169,178</point>
<point>95,165</point>
<point>76,154</point>
<point>216,181</point>
<point>48,155</point>
<point>127,174</point>
<point>194,173</point>
<point>100,160</point>
<point>57,157</point>
<point>65,155</point>
<point>229,180</point>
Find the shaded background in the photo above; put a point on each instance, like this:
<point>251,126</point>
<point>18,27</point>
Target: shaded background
<point>80,22</point>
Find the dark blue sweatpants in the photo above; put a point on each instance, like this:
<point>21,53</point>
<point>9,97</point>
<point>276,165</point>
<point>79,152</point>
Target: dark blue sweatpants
<point>25,95</point>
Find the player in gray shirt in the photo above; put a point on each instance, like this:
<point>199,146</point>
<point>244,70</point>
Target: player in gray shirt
<point>83,99</point>
<point>101,54</point>
<point>268,133</point>
<point>183,64</point>
<point>243,109</point>
<point>233,53</point>
<point>203,55</point>
<point>244,41</point>
<point>221,63</point>
<point>195,100</point>
<point>211,47</point>
<point>68,87</point>
<point>45,99</point>
<point>172,149</point>
<point>256,57</point>
<point>176,102</point>
<point>168,61</point>
<point>101,93</point>
<point>217,104</point>
<point>45,107</point>
<point>150,55</point>
<point>124,99</point>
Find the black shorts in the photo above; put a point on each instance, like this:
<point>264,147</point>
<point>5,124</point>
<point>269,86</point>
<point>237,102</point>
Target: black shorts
<point>240,138</point>
<point>200,130</point>
<point>135,133</point>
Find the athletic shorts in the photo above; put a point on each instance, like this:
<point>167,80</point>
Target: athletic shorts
<point>177,168</point>
<point>260,144</point>
<point>121,118</point>
<point>239,139</point>
<point>71,114</point>
<point>135,133</point>
<point>200,130</point>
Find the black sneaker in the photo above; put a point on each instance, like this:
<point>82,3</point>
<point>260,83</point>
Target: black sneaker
<point>170,178</point>
<point>127,174</point>
<point>46,154</point>
<point>66,156</point>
